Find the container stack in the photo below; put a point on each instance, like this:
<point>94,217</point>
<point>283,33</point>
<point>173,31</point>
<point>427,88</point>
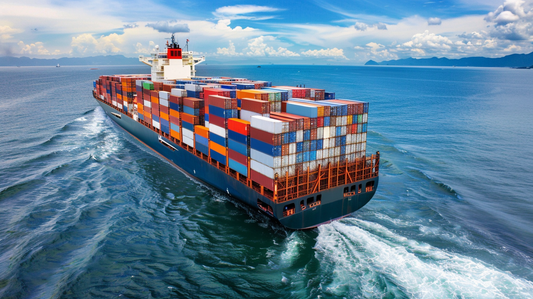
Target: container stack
<point>238,145</point>
<point>263,133</point>
<point>220,110</point>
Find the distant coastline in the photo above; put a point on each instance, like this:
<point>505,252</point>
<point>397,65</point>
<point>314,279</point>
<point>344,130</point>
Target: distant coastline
<point>522,61</point>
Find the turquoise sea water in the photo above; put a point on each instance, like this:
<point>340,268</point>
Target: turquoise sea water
<point>87,212</point>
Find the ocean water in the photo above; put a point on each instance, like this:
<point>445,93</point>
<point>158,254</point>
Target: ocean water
<point>87,212</point>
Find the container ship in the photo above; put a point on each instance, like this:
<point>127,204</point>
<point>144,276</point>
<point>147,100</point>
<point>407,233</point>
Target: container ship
<point>296,154</point>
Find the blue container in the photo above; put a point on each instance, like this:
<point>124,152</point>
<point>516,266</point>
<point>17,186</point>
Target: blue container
<point>306,156</point>
<point>292,137</point>
<point>326,121</point>
<point>218,111</point>
<point>262,147</point>
<point>313,145</point>
<point>239,147</point>
<point>235,113</point>
<point>238,137</point>
<point>193,94</point>
<point>329,95</point>
<point>233,94</point>
<point>337,141</point>
<point>187,125</point>
<point>342,158</point>
<point>319,144</point>
<point>343,140</point>
<point>202,148</point>
<point>285,138</point>
<point>165,122</point>
<point>364,127</point>
<point>192,111</point>
<point>365,108</point>
<point>302,110</point>
<point>242,169</point>
<point>307,135</point>
<point>359,128</point>
<point>277,150</point>
<point>228,86</point>
<point>156,118</point>
<point>299,158</point>
<point>175,127</point>
<point>126,109</point>
<point>141,116</point>
<point>338,131</point>
<point>307,146</point>
<point>165,129</point>
<point>312,155</point>
<point>220,140</point>
<point>239,103</point>
<point>299,147</point>
<point>343,150</point>
<point>202,140</point>
<point>217,156</point>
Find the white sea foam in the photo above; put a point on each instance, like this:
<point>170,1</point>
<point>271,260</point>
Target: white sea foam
<point>369,259</point>
<point>292,249</point>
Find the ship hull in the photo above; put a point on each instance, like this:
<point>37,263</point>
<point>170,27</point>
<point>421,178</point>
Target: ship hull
<point>334,203</point>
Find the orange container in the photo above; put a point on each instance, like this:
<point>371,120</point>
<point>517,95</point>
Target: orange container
<point>174,113</point>
<point>217,148</point>
<point>147,115</point>
<point>174,134</point>
<point>240,126</point>
<point>202,131</point>
<point>163,115</point>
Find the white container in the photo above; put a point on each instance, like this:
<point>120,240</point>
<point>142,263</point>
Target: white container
<point>266,124</point>
<point>193,87</point>
<point>343,131</point>
<point>365,117</point>
<point>319,155</point>
<point>326,132</point>
<point>313,165</point>
<point>178,92</point>
<point>156,124</point>
<point>188,141</point>
<point>247,115</point>
<point>363,137</point>
<point>292,148</point>
<point>164,95</point>
<point>206,124</point>
<point>262,168</point>
<point>337,151</point>
<point>348,139</point>
<point>332,131</point>
<point>331,142</point>
<point>284,160</point>
<point>325,143</point>
<point>320,133</point>
<point>188,133</point>
<point>299,136</point>
<point>218,130</point>
<point>284,171</point>
<point>292,170</point>
<point>163,102</point>
<point>292,159</point>
<point>147,104</point>
<point>265,159</point>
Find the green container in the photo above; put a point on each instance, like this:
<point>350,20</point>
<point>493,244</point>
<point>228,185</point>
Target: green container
<point>359,118</point>
<point>148,85</point>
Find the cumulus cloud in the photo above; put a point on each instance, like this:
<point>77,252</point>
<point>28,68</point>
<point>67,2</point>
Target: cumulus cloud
<point>6,32</point>
<point>360,26</point>
<point>140,49</point>
<point>513,20</point>
<point>36,48</point>
<point>229,51</point>
<point>130,26</point>
<point>379,51</point>
<point>434,21</point>
<point>381,26</point>
<point>427,40</point>
<point>244,12</point>
<point>88,44</point>
<point>169,26</point>
<point>258,47</point>
<point>329,53</point>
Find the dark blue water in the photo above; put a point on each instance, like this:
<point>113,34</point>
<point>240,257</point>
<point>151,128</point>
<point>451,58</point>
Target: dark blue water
<point>85,211</point>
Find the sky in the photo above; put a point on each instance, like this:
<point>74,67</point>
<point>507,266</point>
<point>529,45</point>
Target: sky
<point>281,32</point>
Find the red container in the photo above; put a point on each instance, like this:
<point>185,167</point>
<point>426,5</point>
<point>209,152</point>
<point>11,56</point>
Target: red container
<point>313,134</point>
<point>216,92</point>
<point>239,126</point>
<point>216,120</point>
<point>220,101</point>
<point>320,122</point>
<point>174,120</point>
<point>193,102</point>
<point>261,179</point>
<point>285,149</point>
<point>254,105</point>
<point>266,137</point>
<point>175,99</point>
<point>238,157</point>
<point>164,109</point>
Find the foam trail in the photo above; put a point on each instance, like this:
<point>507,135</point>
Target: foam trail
<point>370,260</point>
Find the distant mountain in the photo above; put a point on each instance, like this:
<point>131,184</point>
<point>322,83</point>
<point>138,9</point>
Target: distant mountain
<point>95,60</point>
<point>513,60</point>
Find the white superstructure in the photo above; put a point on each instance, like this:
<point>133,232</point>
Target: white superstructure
<point>172,64</point>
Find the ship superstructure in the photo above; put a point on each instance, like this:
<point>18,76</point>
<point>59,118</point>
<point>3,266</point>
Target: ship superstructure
<point>296,154</point>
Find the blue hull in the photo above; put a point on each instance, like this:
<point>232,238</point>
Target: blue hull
<point>334,203</point>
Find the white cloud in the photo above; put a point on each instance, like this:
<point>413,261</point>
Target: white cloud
<point>513,20</point>
<point>360,26</point>
<point>258,47</point>
<point>381,26</point>
<point>330,53</point>
<point>229,51</point>
<point>6,32</point>
<point>427,41</point>
<point>243,12</point>
<point>36,48</point>
<point>169,26</point>
<point>434,21</point>
<point>87,44</point>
